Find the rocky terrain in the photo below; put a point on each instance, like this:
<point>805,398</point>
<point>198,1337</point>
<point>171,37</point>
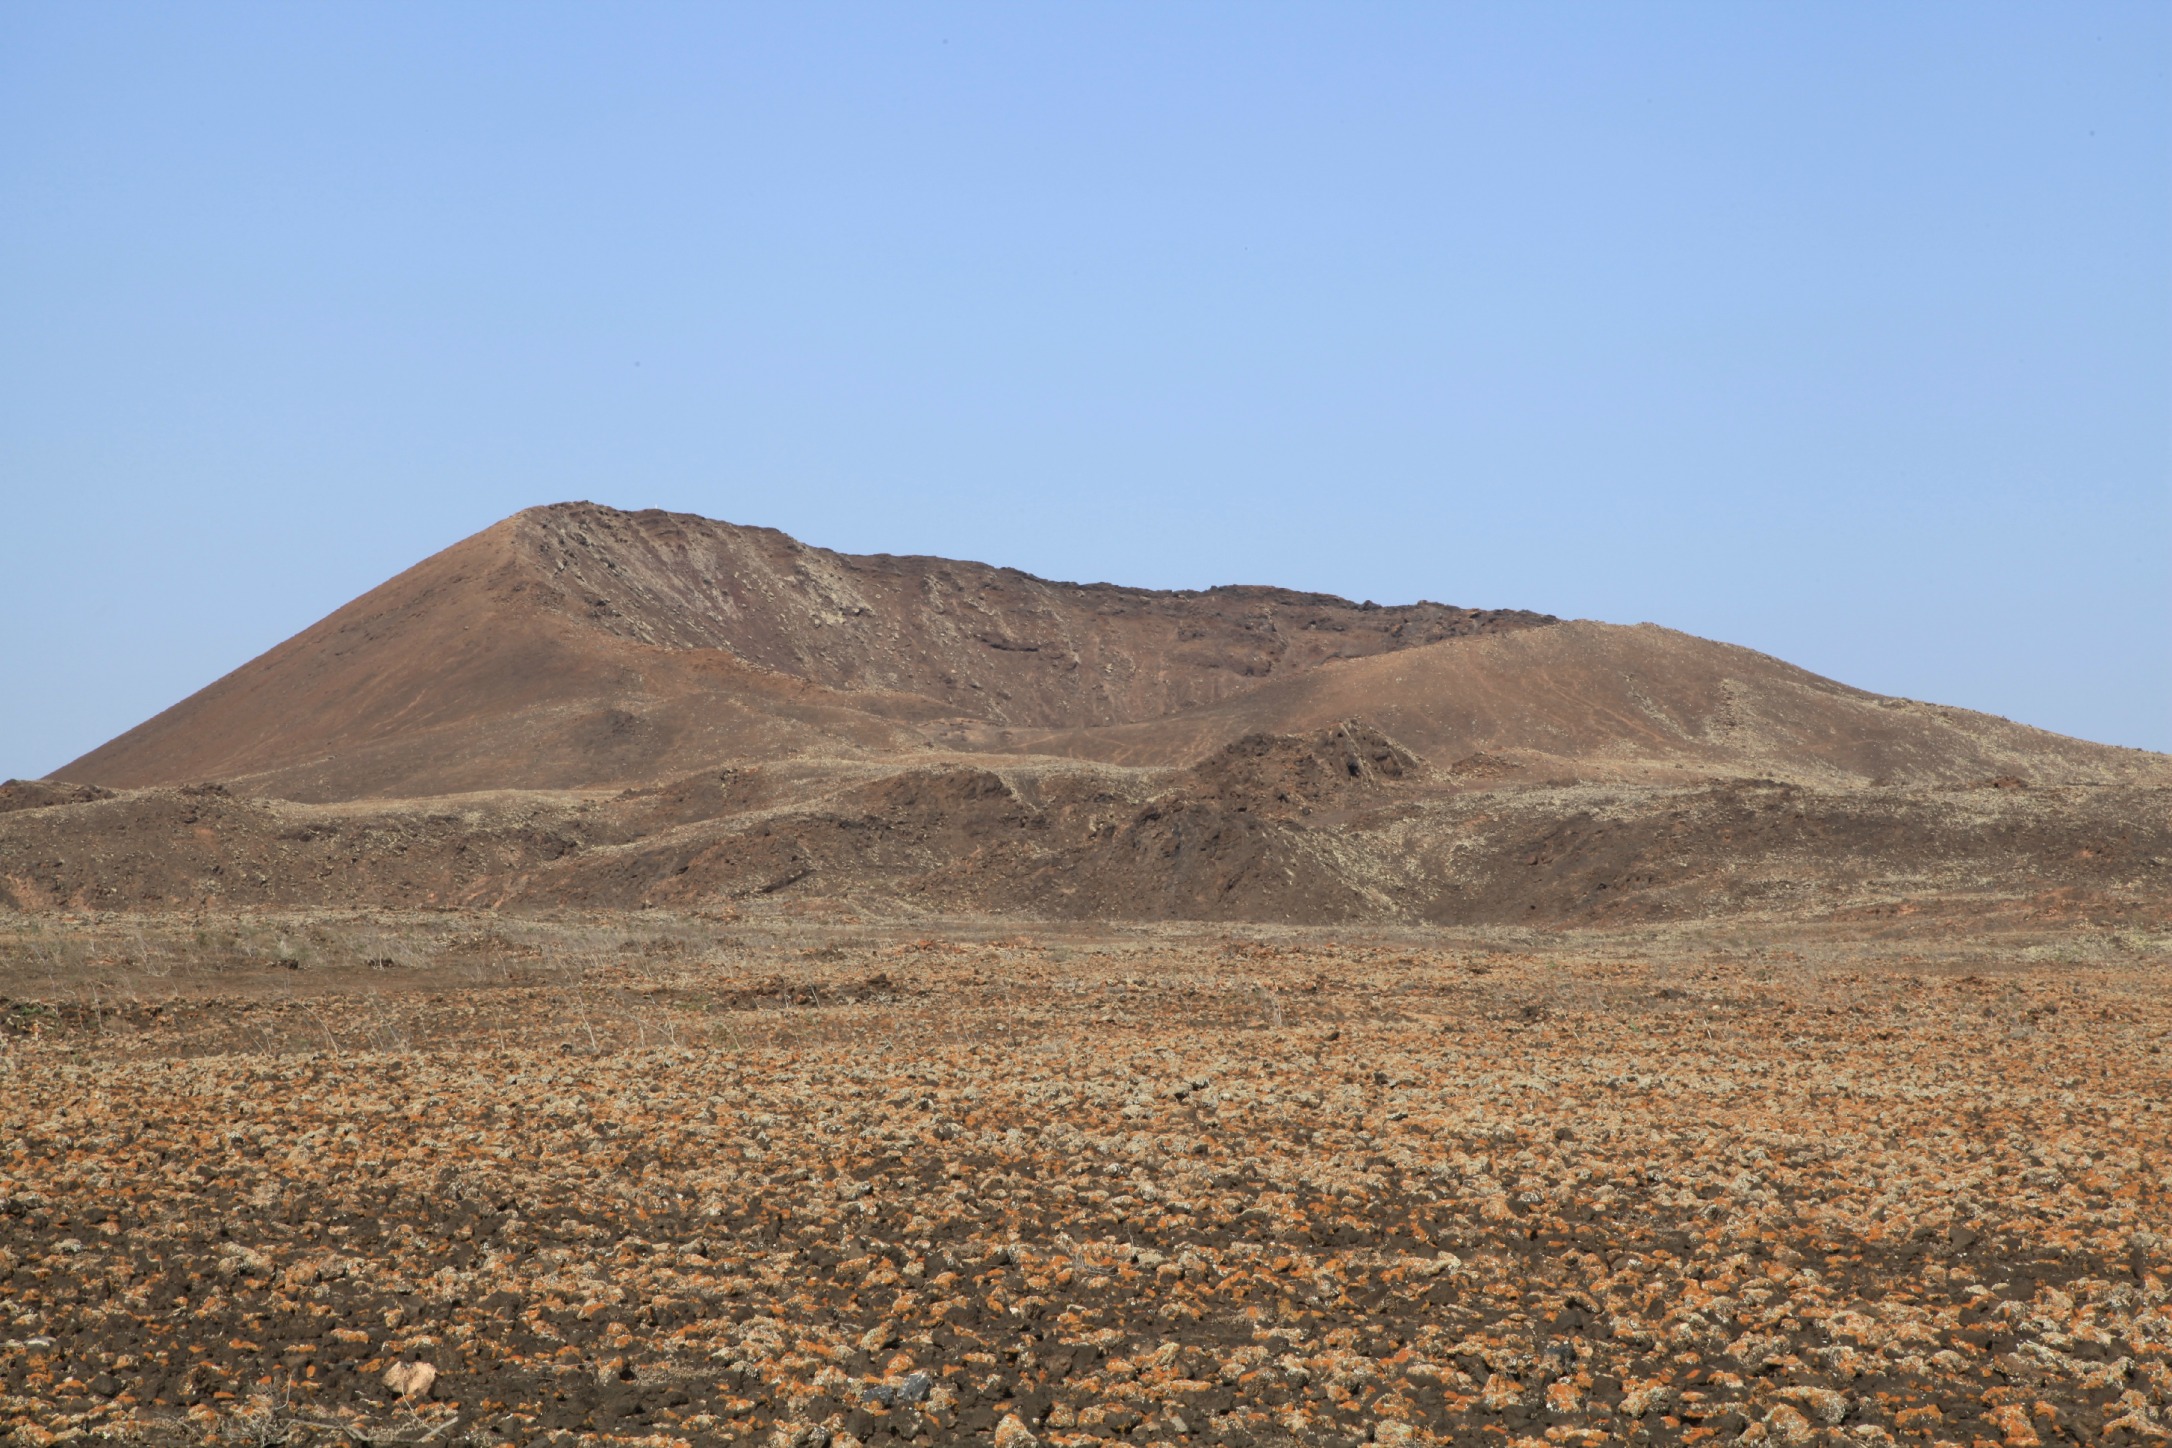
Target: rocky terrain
<point>633,978</point>
<point>1342,824</point>
<point>671,1179</point>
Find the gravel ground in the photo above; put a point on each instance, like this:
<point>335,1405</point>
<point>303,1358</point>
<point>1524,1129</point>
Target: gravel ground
<point>1150,1188</point>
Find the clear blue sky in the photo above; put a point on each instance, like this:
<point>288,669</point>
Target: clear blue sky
<point>1843,331</point>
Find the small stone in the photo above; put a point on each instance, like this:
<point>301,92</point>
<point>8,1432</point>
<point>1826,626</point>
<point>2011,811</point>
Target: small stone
<point>1010,1433</point>
<point>412,1381</point>
<point>911,1389</point>
<point>1823,1404</point>
<point>1786,1425</point>
<point>2013,1421</point>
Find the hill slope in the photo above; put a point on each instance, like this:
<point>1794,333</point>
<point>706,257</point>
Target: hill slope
<point>577,645</point>
<point>1604,701</point>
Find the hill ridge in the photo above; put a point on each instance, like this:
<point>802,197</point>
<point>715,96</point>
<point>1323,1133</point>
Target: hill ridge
<point>574,644</point>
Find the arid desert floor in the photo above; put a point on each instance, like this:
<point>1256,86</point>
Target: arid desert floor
<point>450,1178</point>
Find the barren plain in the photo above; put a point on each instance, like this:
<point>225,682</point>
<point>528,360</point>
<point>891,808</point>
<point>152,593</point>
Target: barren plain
<point>768,1179</point>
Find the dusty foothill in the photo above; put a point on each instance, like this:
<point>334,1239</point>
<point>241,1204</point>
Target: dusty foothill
<point>321,1177</point>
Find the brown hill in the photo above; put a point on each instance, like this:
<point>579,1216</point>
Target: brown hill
<point>576,645</point>
<point>1594,700</point>
<point>580,707</point>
